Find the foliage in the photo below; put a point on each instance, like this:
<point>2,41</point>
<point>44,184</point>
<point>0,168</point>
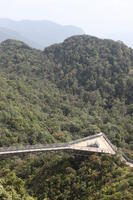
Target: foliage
<point>76,177</point>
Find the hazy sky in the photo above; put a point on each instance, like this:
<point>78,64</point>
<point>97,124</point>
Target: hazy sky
<point>103,18</point>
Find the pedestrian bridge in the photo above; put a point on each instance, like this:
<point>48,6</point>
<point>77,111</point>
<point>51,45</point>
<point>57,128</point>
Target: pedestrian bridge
<point>98,143</point>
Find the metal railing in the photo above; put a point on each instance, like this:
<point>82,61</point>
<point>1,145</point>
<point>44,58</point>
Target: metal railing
<point>127,159</point>
<point>33,147</point>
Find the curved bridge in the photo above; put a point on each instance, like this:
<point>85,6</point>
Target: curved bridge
<point>97,143</point>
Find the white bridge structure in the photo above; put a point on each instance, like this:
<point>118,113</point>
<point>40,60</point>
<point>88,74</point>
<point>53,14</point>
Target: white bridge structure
<point>98,143</point>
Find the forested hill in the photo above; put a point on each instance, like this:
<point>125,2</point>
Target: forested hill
<point>68,91</point>
<point>99,74</point>
<point>90,63</point>
<point>76,88</point>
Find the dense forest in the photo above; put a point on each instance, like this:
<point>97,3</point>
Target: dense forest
<point>68,91</point>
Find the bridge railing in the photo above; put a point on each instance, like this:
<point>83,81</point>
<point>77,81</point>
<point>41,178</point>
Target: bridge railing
<point>30,147</point>
<point>126,158</point>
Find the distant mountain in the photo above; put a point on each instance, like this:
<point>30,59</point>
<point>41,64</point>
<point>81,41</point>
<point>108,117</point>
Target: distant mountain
<point>10,34</point>
<point>38,34</point>
<point>7,33</point>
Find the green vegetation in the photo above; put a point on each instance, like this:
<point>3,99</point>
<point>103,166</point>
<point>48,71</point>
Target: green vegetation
<point>68,91</point>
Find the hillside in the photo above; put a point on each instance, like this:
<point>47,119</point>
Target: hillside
<point>38,34</point>
<point>89,80</point>
<point>70,90</point>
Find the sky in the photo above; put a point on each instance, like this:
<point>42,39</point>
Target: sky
<point>102,18</point>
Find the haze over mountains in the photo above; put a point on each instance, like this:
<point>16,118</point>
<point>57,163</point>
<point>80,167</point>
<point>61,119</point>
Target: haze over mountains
<point>37,34</point>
